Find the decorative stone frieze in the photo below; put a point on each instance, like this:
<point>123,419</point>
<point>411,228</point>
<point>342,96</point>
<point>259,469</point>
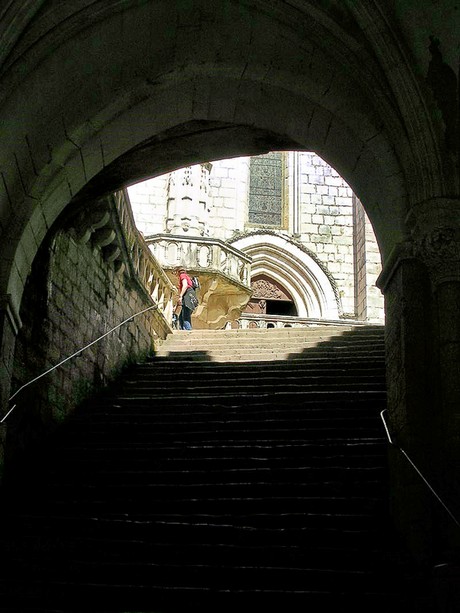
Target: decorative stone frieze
<point>102,238</point>
<point>111,253</point>
<point>111,229</point>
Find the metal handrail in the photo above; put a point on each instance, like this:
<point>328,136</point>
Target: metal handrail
<point>75,354</point>
<point>438,498</point>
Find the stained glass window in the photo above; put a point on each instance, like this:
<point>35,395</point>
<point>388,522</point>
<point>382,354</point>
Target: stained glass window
<point>266,190</point>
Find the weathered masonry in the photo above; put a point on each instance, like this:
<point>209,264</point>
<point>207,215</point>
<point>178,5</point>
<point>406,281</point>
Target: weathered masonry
<point>95,97</point>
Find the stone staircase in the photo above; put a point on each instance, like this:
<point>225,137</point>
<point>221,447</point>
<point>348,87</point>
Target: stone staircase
<point>236,469</point>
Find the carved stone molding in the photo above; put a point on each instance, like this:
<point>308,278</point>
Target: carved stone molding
<point>399,253</point>
<point>103,237</point>
<point>98,224</point>
<point>86,223</point>
<point>111,253</point>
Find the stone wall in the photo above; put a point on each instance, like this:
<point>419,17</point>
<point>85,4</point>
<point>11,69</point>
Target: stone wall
<point>229,185</point>
<point>374,301</point>
<point>150,198</point>
<point>73,296</point>
<point>359,221</point>
<point>326,222</point>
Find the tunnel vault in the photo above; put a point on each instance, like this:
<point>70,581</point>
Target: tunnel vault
<point>183,145</point>
<point>95,96</point>
<point>92,101</point>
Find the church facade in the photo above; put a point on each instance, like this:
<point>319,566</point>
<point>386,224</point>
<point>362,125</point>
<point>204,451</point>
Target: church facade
<point>312,248</point>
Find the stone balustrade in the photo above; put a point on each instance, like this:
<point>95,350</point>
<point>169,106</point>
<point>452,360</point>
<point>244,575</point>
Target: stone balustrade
<point>201,255</point>
<point>145,265</point>
<point>286,321</point>
<point>223,270</point>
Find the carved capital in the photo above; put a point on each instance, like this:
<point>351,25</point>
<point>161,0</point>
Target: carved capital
<point>435,230</point>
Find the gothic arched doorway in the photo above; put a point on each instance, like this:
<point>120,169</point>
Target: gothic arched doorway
<point>270,298</point>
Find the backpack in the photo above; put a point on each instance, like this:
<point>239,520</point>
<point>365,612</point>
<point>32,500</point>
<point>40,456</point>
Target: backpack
<point>196,283</point>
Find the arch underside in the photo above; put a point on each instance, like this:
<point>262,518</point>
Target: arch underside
<point>157,90</point>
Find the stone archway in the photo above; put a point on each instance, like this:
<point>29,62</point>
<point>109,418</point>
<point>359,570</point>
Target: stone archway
<point>294,269</point>
<point>269,298</point>
<point>131,111</point>
<point>97,95</point>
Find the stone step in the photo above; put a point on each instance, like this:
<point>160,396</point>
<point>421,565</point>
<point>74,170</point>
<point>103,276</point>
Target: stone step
<point>317,331</point>
<point>352,450</point>
<point>143,548</point>
<point>222,591</point>
<point>261,396</point>
<point>327,407</point>
<point>263,345</point>
<point>184,338</point>
<point>188,339</point>
<point>199,388</point>
<point>210,422</point>
<point>221,474</point>
<point>132,498</point>
<point>251,354</point>
<point>170,369</point>
<point>109,462</point>
<point>198,484</point>
<point>335,358</point>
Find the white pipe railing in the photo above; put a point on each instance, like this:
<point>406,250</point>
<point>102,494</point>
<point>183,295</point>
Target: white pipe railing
<point>75,354</point>
<point>438,498</point>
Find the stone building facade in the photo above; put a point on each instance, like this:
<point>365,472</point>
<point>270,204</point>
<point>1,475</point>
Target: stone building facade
<point>290,202</point>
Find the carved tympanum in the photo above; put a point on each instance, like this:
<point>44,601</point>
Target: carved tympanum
<point>264,289</point>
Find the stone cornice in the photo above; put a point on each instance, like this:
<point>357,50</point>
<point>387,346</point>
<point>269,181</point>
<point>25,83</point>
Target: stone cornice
<point>400,252</point>
<point>434,240</point>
